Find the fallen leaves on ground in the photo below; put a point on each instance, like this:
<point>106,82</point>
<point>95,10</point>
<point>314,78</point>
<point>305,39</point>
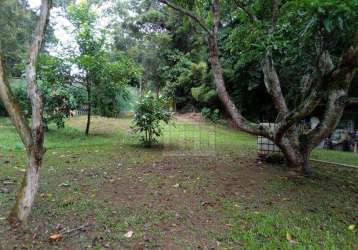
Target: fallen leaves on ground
<point>290,238</point>
<point>129,234</point>
<point>55,237</point>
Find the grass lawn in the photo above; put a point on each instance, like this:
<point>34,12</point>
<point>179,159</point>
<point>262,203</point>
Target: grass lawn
<point>204,190</point>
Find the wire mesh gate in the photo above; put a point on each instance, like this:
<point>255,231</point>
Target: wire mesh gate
<point>189,139</point>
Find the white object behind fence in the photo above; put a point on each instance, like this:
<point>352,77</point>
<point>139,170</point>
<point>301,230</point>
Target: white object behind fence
<point>266,146</point>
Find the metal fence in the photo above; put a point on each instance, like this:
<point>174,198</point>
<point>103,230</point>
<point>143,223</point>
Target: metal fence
<point>196,139</point>
<point>266,146</point>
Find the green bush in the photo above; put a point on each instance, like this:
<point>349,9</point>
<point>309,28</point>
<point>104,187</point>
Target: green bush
<point>203,93</point>
<point>149,113</point>
<point>212,115</point>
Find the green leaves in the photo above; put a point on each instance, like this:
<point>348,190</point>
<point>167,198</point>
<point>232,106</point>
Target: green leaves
<point>16,25</point>
<point>106,73</point>
<point>59,95</point>
<point>149,113</point>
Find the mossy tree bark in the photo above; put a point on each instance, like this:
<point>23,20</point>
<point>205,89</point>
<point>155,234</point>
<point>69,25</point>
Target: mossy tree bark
<point>32,137</point>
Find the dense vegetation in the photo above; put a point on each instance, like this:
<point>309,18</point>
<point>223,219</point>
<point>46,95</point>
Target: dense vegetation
<point>240,62</point>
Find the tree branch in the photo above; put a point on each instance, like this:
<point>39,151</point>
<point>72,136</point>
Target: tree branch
<point>272,83</point>
<point>308,105</point>
<point>275,11</point>
<point>339,81</point>
<point>189,13</point>
<point>224,96</point>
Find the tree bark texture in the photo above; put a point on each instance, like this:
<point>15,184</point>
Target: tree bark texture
<point>89,108</point>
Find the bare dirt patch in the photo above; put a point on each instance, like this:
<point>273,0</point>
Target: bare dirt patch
<point>191,191</point>
<point>189,117</point>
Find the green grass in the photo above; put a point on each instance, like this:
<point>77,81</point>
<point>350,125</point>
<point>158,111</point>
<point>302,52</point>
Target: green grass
<point>315,220</point>
<point>335,156</point>
<point>106,180</point>
<point>191,136</point>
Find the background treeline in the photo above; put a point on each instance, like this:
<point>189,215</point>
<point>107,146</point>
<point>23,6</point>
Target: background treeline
<point>173,51</point>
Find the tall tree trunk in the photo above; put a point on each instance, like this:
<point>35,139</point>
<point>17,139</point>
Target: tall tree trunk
<point>89,109</point>
<point>140,86</point>
<point>33,137</point>
<point>296,158</point>
<point>158,91</point>
<point>26,195</point>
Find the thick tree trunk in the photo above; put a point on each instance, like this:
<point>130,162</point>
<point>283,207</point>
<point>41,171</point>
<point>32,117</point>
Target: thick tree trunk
<point>26,195</point>
<point>296,158</point>
<point>89,110</point>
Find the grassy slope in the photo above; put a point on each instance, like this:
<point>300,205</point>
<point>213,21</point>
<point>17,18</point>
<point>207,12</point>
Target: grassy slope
<point>250,207</point>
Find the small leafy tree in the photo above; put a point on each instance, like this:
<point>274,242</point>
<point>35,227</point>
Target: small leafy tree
<point>149,114</point>
<point>103,74</point>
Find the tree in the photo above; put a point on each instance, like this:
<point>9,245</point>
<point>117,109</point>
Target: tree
<point>168,47</point>
<point>32,137</point>
<point>103,75</point>
<point>149,113</point>
<point>327,85</point>
<point>117,71</point>
<point>90,46</point>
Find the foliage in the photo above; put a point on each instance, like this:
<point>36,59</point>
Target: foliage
<point>60,100</point>
<point>149,113</point>
<point>167,46</point>
<point>203,94</point>
<point>116,72</point>
<point>188,82</point>
<point>18,87</point>
<point>302,30</point>
<point>16,23</point>
<point>104,74</point>
<point>60,96</point>
<point>212,115</point>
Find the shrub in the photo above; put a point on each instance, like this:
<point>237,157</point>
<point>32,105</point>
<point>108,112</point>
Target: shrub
<point>149,113</point>
<point>212,115</point>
